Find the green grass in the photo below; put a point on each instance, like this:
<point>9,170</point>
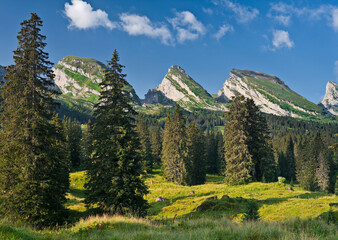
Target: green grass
<point>285,214</point>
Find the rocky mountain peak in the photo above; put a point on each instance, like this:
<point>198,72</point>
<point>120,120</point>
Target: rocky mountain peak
<point>258,75</point>
<point>330,100</point>
<point>269,92</point>
<point>79,77</point>
<point>177,68</point>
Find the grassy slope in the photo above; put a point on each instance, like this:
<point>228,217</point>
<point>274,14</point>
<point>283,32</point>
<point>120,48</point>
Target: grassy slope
<point>281,95</point>
<point>278,209</point>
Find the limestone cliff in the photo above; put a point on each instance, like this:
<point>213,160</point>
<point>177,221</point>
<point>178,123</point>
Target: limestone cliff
<point>330,100</point>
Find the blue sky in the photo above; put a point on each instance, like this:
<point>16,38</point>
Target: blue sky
<point>294,40</point>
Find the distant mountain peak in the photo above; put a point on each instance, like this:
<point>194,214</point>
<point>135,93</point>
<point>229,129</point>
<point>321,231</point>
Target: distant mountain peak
<point>330,100</point>
<point>79,78</point>
<point>178,87</point>
<point>269,92</point>
<point>177,68</point>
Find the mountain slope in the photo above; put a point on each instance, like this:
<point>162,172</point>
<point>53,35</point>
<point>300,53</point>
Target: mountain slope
<point>79,78</point>
<point>330,100</point>
<point>177,86</point>
<point>270,93</point>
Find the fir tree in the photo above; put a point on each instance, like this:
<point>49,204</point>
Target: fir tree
<point>237,155</point>
<point>313,169</point>
<point>290,161</point>
<point>175,163</point>
<point>156,143</point>
<point>195,155</point>
<point>113,177</point>
<point>33,167</point>
<point>258,141</point>
<point>74,135</point>
<point>323,173</point>
<point>146,151</point>
<point>212,160</point>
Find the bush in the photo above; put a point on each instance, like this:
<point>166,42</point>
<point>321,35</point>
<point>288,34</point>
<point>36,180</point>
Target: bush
<point>281,180</point>
<point>251,211</point>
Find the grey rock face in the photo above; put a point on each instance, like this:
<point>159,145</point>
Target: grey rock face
<point>330,100</point>
<point>154,96</point>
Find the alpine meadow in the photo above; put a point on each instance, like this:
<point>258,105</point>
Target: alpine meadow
<point>83,156</point>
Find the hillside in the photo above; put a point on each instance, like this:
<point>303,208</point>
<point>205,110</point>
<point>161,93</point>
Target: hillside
<point>330,100</point>
<point>79,78</point>
<point>270,93</point>
<point>178,87</point>
<point>285,214</point>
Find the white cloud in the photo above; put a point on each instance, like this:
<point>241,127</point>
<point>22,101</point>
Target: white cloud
<point>281,39</point>
<point>141,25</point>
<point>243,13</point>
<point>335,19</point>
<point>335,69</point>
<point>224,29</point>
<point>284,20</point>
<point>283,13</point>
<point>208,11</point>
<point>187,26</point>
<point>82,16</point>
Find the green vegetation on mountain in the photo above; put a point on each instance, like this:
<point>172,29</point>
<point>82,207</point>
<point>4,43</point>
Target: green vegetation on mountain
<point>82,78</point>
<point>277,92</point>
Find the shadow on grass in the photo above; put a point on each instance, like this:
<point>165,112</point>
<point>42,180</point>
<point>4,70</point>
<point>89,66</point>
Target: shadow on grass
<point>156,207</point>
<point>77,193</point>
<point>7,232</point>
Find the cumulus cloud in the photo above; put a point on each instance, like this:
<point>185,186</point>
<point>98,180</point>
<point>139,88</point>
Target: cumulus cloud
<point>141,25</point>
<point>283,13</point>
<point>187,26</point>
<point>281,39</point>
<point>224,29</point>
<point>335,19</point>
<point>82,16</point>
<point>243,13</point>
<point>208,10</point>
<point>335,69</point>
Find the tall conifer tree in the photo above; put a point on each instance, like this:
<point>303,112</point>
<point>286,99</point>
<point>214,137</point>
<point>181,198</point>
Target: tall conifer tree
<point>144,136</point>
<point>196,155</point>
<point>175,163</point>
<point>33,169</point>
<point>114,183</point>
<point>237,155</point>
<point>156,142</point>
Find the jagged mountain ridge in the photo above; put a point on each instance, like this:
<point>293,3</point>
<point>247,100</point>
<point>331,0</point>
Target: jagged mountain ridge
<point>330,100</point>
<point>79,78</point>
<point>269,92</point>
<point>178,87</point>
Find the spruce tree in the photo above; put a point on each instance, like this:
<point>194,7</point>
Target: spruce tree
<point>144,136</point>
<point>114,183</point>
<point>290,161</point>
<point>212,160</point>
<point>74,135</point>
<point>33,168</point>
<point>323,173</point>
<point>175,163</point>
<point>258,141</point>
<point>313,169</point>
<point>196,155</point>
<point>156,143</point>
<point>237,155</point>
